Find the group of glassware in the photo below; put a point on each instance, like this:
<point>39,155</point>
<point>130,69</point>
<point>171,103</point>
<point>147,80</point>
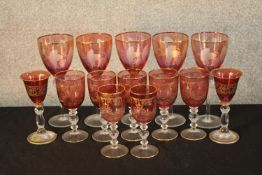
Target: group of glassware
<point>111,92</point>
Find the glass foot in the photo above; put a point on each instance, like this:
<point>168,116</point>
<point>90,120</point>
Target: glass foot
<point>101,136</point>
<point>74,137</point>
<point>115,151</point>
<point>206,122</point>
<point>144,152</point>
<point>175,120</point>
<point>93,121</point>
<point>131,135</point>
<point>224,138</point>
<point>125,119</point>
<point>59,121</point>
<point>193,134</point>
<point>164,134</point>
<point>38,138</point>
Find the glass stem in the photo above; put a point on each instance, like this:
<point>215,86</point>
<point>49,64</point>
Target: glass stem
<point>40,120</point>
<point>104,125</point>
<point>144,134</point>
<point>208,107</point>
<point>193,117</point>
<point>133,125</point>
<point>164,117</point>
<point>73,119</point>
<point>114,134</point>
<point>224,118</point>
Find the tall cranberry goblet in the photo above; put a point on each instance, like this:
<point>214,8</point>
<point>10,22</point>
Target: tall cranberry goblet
<point>36,86</point>
<point>143,107</point>
<point>194,89</point>
<point>112,107</point>
<point>129,78</point>
<point>170,50</point>
<point>70,87</point>
<point>226,81</point>
<point>165,80</point>
<point>209,50</point>
<point>56,51</point>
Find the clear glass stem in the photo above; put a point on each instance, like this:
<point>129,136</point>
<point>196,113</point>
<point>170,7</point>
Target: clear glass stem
<point>164,117</point>
<point>224,118</point>
<point>40,120</point>
<point>73,119</point>
<point>193,116</point>
<point>144,134</point>
<point>104,125</point>
<point>133,125</point>
<point>208,107</point>
<point>114,134</point>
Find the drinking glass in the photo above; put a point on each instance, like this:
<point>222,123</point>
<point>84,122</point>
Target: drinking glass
<point>56,51</point>
<point>170,49</point>
<point>95,79</point>
<point>143,107</point>
<point>129,78</point>
<point>165,80</point>
<point>70,87</point>
<point>36,87</point>
<point>194,88</point>
<point>209,50</point>
<point>226,81</point>
<point>112,106</point>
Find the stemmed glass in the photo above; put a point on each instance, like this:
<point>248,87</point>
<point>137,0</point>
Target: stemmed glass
<point>170,49</point>
<point>133,49</point>
<point>56,51</point>
<point>95,79</point>
<point>129,78</point>
<point>209,50</point>
<point>226,81</point>
<point>143,107</point>
<point>165,80</point>
<point>36,87</point>
<point>112,106</point>
<point>70,87</point>
<point>194,88</point>
<point>94,50</point>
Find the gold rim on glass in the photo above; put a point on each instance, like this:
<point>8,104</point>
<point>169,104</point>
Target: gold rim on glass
<point>200,33</point>
<point>148,36</point>
<point>108,38</point>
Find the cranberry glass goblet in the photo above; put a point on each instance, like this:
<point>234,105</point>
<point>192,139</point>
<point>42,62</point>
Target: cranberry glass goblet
<point>56,51</point>
<point>143,107</point>
<point>226,81</point>
<point>70,87</point>
<point>129,78</point>
<point>95,79</point>
<point>170,50</point>
<point>133,49</point>
<point>194,89</point>
<point>112,107</point>
<point>209,50</point>
<point>36,87</point>
<point>165,80</point>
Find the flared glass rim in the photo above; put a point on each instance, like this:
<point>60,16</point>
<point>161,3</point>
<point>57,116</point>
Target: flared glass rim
<point>70,37</point>
<point>90,76</point>
<point>71,70</point>
<point>186,37</point>
<point>122,90</point>
<point>47,75</point>
<point>148,36</point>
<point>210,32</point>
<point>143,94</point>
<point>182,73</point>
<point>240,73</point>
<point>167,77</point>
<point>108,36</point>
<point>119,74</point>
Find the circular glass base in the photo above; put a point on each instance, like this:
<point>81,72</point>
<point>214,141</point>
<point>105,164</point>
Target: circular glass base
<point>224,138</point>
<point>206,122</point>
<point>101,136</point>
<point>131,135</point>
<point>175,120</point>
<point>41,138</point>
<point>193,134</point>
<point>125,119</point>
<point>144,152</point>
<point>75,137</point>
<point>115,151</point>
<point>93,121</point>
<point>59,121</point>
<point>164,134</point>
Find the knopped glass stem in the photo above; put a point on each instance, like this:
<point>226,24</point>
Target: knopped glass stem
<point>104,125</point>
<point>224,119</point>
<point>133,125</point>
<point>73,119</point>
<point>144,134</point>
<point>40,120</point>
<point>114,134</point>
<point>164,117</point>
<point>193,117</point>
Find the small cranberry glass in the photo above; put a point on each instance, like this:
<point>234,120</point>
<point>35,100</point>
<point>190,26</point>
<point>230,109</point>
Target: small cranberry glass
<point>194,88</point>
<point>226,81</point>
<point>36,86</point>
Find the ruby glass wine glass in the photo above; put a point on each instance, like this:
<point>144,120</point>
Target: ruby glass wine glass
<point>70,87</point>
<point>226,81</point>
<point>112,107</point>
<point>209,50</point>
<point>170,49</point>
<point>194,88</point>
<point>133,49</point>
<point>143,107</point>
<point>95,79</point>
<point>165,80</point>
<point>129,78</point>
<point>56,51</point>
<point>94,50</point>
<point>36,87</point>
